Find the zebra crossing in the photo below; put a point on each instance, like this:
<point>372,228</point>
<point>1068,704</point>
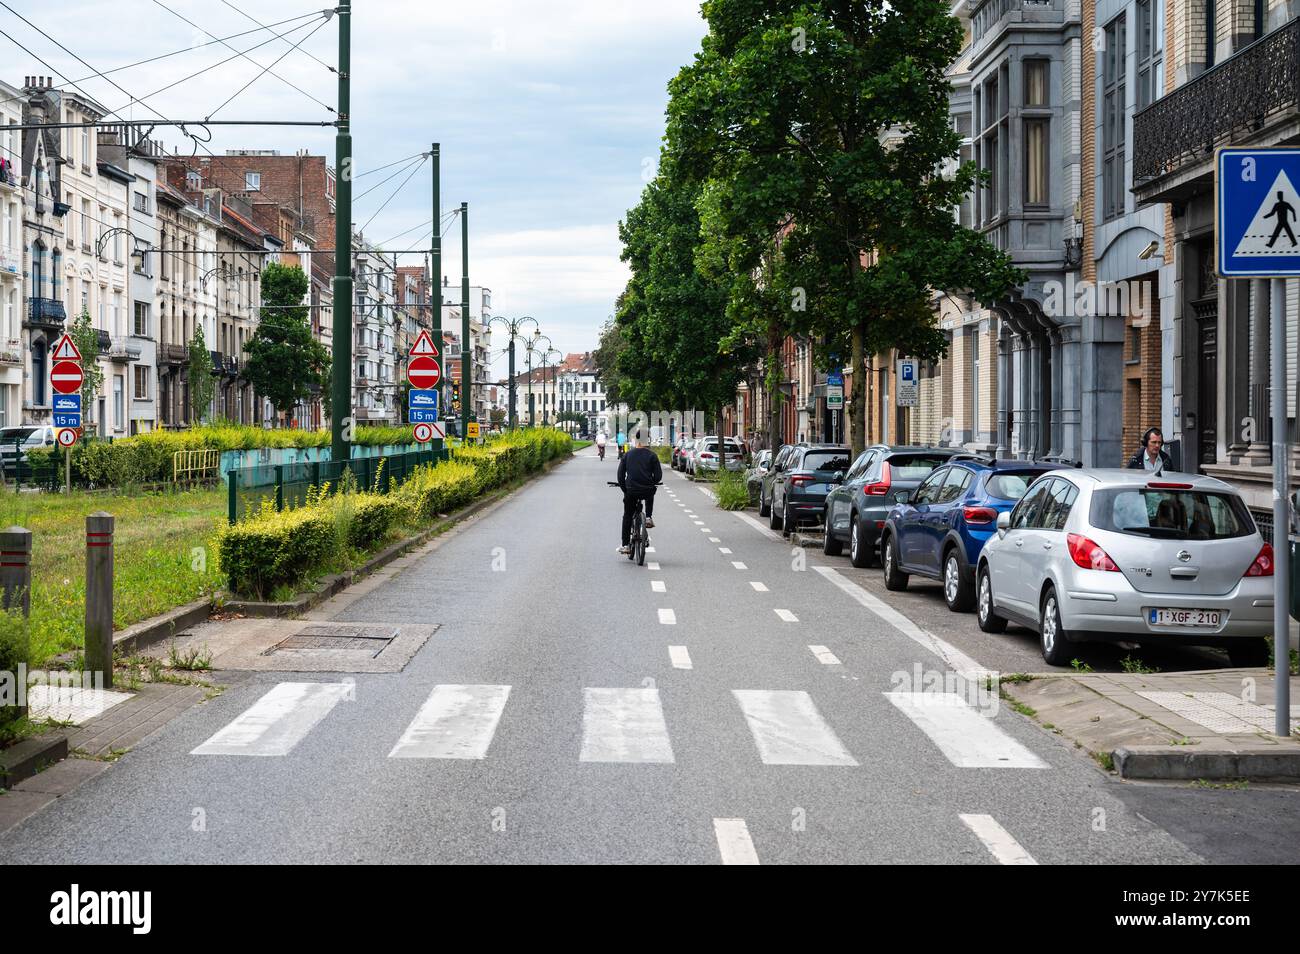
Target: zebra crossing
<point>620,725</point>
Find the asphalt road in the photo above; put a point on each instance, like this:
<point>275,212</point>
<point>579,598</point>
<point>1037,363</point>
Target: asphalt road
<point>552,719</point>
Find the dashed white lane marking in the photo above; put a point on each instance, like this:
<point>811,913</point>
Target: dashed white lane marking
<point>950,654</point>
<point>997,840</point>
<point>738,565</point>
<point>624,725</point>
<point>667,617</point>
<point>649,549</point>
<point>966,737</point>
<point>770,534</point>
<point>652,566</point>
<point>760,587</point>
<point>824,656</point>
<point>705,530</point>
<point>714,540</point>
<point>734,844</point>
<point>680,657</point>
<point>455,722</point>
<point>788,729</point>
<point>724,549</point>
<point>786,615</point>
<point>658,586</point>
<point>698,523</point>
<point>278,721</point>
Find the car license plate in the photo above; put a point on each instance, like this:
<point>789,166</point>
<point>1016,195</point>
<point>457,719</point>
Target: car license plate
<point>1184,617</point>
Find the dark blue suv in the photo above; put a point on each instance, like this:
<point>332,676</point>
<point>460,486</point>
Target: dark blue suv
<point>941,528</point>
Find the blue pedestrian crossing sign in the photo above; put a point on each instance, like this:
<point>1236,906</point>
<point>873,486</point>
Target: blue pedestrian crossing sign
<point>422,406</point>
<point>66,411</point>
<point>1257,212</point>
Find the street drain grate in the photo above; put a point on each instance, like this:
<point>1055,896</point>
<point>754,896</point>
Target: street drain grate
<point>369,641</point>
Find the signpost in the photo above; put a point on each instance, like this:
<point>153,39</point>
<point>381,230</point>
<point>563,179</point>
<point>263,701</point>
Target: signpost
<point>472,432</point>
<point>66,379</point>
<point>423,372</point>
<point>423,433</point>
<point>422,406</point>
<point>909,390</point>
<point>1257,218</point>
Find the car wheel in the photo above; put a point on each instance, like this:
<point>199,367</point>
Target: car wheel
<point>764,510</point>
<point>1249,653</point>
<point>773,518</point>
<point>831,545</point>
<point>788,526</point>
<point>958,591</point>
<point>895,579</point>
<point>985,614</point>
<point>859,552</point>
<point>1052,637</point>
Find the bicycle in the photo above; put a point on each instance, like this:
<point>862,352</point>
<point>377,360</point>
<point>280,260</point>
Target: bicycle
<point>600,451</point>
<point>640,536</point>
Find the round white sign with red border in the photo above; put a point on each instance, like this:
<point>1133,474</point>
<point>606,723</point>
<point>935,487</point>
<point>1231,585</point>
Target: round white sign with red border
<point>423,433</point>
<point>67,437</point>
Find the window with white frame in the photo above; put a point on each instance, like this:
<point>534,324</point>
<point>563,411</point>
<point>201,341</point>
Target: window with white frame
<point>141,327</point>
<point>140,373</point>
<point>253,181</point>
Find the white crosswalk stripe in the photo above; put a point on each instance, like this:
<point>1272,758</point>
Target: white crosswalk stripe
<point>788,729</point>
<point>624,725</point>
<point>455,722</point>
<point>968,738</point>
<point>278,721</point>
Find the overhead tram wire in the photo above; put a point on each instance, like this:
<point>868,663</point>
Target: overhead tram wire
<point>254,19</point>
<point>389,178</point>
<point>394,194</point>
<point>267,70</point>
<point>287,82</point>
<point>390,165</point>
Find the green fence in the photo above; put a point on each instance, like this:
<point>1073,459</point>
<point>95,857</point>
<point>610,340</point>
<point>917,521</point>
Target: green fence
<point>287,485</point>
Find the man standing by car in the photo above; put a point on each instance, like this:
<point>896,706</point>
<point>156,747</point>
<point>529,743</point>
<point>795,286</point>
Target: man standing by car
<point>1151,457</point>
<point>639,473</point>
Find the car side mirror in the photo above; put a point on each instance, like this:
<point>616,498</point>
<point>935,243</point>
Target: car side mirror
<point>1004,521</point>
<point>838,478</point>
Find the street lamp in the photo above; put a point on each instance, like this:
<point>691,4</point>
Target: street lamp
<point>512,326</point>
<point>533,345</point>
<point>554,385</point>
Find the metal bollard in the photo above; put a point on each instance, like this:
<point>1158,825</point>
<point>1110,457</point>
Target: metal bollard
<point>16,569</point>
<point>99,595</point>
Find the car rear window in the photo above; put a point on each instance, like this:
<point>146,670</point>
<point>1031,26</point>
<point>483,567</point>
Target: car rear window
<point>1010,485</point>
<point>12,435</point>
<point>1171,514</point>
<point>914,466</point>
<point>732,449</point>
<point>826,460</point>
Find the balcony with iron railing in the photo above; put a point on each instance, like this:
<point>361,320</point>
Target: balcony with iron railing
<point>991,18</point>
<point>11,353</point>
<point>46,312</point>
<point>1251,98</point>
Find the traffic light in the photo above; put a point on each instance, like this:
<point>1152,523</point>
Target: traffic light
<point>455,397</point>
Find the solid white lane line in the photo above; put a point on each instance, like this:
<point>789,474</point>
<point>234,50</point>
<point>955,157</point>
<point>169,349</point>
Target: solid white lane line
<point>997,840</point>
<point>455,722</point>
<point>680,657</point>
<point>667,617</point>
<point>824,656</point>
<point>624,725</point>
<point>658,586</point>
<point>760,587</point>
<point>770,534</point>
<point>950,654</point>
<point>786,615</point>
<point>967,738</point>
<point>788,729</point>
<point>734,844</point>
<point>278,721</point>
<point>724,549</point>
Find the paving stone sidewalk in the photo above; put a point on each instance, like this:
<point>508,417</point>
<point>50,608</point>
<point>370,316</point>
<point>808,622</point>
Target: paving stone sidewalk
<point>1216,724</point>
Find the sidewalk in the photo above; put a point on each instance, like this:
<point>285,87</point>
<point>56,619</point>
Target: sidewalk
<point>1215,724</point>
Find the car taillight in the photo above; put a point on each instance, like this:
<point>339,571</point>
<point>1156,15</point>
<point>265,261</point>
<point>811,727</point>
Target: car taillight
<point>1088,555</point>
<point>979,514</point>
<point>1164,485</point>
<point>798,480</point>
<point>880,487</point>
<point>1263,565</point>
<point>707,456</point>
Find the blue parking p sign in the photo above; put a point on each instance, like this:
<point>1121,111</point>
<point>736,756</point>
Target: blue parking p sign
<point>1257,212</point>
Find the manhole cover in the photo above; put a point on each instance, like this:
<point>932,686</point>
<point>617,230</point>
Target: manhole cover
<point>369,641</point>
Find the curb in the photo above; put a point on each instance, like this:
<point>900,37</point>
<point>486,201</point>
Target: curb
<point>22,761</point>
<point>1264,763</point>
<point>160,628</point>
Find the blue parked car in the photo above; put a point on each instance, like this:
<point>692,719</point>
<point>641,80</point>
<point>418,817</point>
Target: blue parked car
<point>941,528</point>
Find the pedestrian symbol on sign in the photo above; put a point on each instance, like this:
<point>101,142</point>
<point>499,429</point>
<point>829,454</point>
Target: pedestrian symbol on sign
<point>1273,220</point>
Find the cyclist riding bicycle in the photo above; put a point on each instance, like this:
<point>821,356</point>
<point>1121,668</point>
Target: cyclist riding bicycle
<point>638,474</point>
<point>600,444</point>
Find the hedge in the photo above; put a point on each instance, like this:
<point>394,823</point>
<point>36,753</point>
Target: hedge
<point>272,549</point>
<point>14,648</point>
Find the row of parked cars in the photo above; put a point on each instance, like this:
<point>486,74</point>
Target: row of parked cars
<point>1074,555</point>
<point>692,455</point>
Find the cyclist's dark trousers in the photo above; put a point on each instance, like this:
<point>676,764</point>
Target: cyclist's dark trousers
<point>629,508</point>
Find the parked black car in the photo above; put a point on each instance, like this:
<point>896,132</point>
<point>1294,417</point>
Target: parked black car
<point>799,490</point>
<point>882,476</point>
<point>765,485</point>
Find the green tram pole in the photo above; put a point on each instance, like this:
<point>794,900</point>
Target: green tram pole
<point>341,362</point>
<point>466,376</point>
<point>435,273</point>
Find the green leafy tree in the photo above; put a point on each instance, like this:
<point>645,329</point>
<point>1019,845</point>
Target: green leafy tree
<point>86,338</point>
<point>821,129</point>
<point>201,379</point>
<point>606,359</point>
<point>283,360</point>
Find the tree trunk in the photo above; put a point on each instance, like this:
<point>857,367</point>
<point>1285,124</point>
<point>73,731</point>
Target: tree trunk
<point>773,384</point>
<point>856,413</point>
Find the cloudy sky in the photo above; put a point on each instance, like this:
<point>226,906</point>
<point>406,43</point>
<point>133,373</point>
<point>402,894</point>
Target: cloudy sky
<point>549,113</point>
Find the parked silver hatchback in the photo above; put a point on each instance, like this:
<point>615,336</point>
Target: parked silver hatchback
<point>1125,556</point>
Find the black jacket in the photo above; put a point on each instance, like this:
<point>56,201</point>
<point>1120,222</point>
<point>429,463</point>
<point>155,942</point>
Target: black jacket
<point>1135,462</point>
<point>639,471</point>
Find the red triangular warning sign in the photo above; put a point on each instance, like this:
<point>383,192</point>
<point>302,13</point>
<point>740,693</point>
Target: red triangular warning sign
<point>65,349</point>
<point>424,345</point>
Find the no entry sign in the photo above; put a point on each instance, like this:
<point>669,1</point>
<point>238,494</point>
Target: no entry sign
<point>66,377</point>
<point>423,372</point>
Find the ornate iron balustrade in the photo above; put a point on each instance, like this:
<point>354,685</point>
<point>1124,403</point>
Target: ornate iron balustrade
<point>1238,94</point>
